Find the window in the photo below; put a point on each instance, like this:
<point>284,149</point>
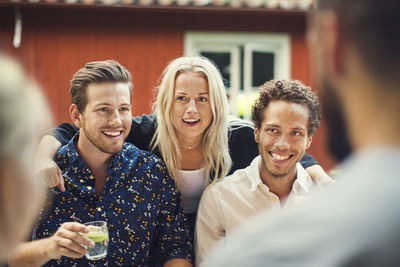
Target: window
<point>245,60</point>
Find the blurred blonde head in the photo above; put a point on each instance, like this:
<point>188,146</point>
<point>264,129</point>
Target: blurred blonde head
<point>24,116</point>
<point>215,137</point>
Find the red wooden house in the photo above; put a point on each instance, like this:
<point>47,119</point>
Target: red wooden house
<point>250,40</point>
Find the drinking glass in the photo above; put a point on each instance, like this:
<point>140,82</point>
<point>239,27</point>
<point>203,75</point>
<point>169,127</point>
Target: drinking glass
<point>98,233</point>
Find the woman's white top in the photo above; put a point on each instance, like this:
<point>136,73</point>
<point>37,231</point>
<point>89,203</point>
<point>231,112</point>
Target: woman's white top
<point>192,186</point>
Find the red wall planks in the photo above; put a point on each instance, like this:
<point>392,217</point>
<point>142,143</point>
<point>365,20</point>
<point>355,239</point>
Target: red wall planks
<point>56,41</point>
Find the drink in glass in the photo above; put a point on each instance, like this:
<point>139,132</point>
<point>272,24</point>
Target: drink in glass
<point>98,233</point>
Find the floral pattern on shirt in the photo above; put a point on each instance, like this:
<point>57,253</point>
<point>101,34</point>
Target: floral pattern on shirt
<point>139,202</point>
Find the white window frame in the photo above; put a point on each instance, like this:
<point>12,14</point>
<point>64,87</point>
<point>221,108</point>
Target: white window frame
<point>277,43</point>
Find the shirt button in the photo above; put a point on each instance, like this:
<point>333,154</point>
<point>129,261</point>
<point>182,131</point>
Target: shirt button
<point>275,199</point>
<point>98,209</point>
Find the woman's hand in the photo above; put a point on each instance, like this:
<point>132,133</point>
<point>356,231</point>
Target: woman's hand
<point>318,175</point>
<point>45,167</point>
<point>50,174</point>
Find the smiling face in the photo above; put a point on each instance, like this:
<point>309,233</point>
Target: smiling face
<point>282,138</point>
<point>106,120</point>
<point>190,111</point>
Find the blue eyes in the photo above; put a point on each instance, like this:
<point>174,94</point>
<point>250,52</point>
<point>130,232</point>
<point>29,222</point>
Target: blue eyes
<point>199,99</point>
<point>122,109</point>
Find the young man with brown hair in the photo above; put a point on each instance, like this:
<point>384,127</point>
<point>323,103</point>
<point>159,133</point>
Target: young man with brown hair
<point>285,115</point>
<point>355,46</point>
<point>107,179</point>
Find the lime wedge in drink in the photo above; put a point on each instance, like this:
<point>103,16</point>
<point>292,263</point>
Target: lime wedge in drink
<point>96,236</point>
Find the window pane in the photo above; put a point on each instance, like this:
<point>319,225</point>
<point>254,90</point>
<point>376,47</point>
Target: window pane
<point>241,49</point>
<point>263,67</point>
<point>223,61</point>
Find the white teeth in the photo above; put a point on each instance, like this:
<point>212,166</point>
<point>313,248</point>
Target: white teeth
<point>112,133</point>
<point>279,157</point>
<point>191,120</point>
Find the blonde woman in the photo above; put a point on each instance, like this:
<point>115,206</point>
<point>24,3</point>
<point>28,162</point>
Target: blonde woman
<point>190,129</point>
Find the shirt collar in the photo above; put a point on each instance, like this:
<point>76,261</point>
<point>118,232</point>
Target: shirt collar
<point>253,173</point>
<point>302,182</point>
<point>79,177</point>
<point>72,151</point>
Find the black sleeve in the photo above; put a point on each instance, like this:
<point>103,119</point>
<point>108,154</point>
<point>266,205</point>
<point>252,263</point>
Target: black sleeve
<point>242,146</point>
<point>142,131</point>
<point>64,132</point>
<point>307,161</point>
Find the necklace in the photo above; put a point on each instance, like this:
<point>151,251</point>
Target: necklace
<point>191,147</point>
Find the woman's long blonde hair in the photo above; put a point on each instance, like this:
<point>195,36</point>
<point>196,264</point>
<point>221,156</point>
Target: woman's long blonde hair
<point>215,139</point>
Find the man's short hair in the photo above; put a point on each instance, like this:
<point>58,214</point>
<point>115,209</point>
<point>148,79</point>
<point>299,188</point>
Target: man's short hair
<point>289,91</point>
<point>96,72</point>
<point>372,26</point>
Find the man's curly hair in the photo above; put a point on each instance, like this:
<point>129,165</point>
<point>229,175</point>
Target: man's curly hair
<point>289,91</point>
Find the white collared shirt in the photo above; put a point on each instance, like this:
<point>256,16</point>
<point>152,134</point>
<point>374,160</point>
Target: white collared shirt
<point>226,204</point>
<point>356,222</point>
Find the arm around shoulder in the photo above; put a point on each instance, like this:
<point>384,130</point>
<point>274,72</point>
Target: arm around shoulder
<point>316,172</point>
<point>48,147</point>
<point>318,175</point>
<point>63,132</point>
<point>45,167</point>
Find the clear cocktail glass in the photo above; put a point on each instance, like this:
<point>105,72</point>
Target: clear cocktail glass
<point>98,233</point>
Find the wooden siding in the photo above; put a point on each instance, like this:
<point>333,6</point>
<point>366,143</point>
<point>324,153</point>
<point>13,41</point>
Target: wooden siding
<point>56,41</point>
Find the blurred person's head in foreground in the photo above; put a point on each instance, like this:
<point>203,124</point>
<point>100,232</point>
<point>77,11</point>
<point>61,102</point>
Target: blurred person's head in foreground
<point>356,66</point>
<point>24,116</point>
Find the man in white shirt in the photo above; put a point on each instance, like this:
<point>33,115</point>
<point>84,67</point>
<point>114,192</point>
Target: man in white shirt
<point>355,48</point>
<point>286,115</point>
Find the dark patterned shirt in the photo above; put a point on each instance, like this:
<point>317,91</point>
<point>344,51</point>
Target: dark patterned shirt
<point>139,202</point>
